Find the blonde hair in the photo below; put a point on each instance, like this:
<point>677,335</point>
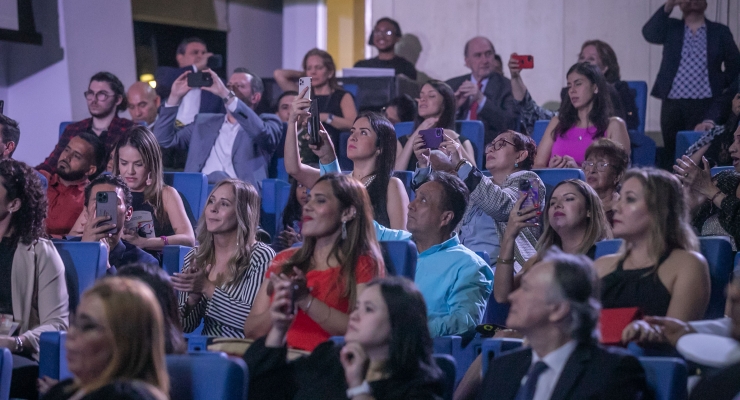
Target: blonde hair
<point>136,324</point>
<point>247,202</point>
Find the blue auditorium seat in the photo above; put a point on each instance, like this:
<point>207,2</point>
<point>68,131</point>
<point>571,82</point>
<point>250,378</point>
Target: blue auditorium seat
<point>173,257</point>
<point>84,262</point>
<point>447,364</point>
<point>552,176</point>
<point>666,376</point>
<point>717,170</point>
<point>194,188</point>
<point>684,140</point>
<point>539,130</point>
<point>6,371</point>
<point>400,257</point>
<point>272,190</point>
<point>493,348</point>
<point>643,150</point>
<point>641,92</point>
<point>404,128</point>
<point>53,355</point>
<point>607,246</point>
<point>194,377</point>
<point>476,133</point>
<point>63,126</point>
<point>406,177</point>
<point>720,257</point>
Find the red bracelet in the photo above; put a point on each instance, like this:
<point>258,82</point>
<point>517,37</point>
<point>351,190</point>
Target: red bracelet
<point>164,239</point>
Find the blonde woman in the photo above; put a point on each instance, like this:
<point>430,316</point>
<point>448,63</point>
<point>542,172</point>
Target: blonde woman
<point>221,277</point>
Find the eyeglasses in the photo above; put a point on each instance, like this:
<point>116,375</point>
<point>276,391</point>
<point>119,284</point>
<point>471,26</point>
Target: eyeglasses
<point>497,145</point>
<point>100,96</point>
<point>588,166</point>
<point>383,33</point>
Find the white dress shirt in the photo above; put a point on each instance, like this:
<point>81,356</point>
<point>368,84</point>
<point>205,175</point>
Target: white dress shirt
<point>719,327</point>
<point>220,158</point>
<point>555,361</point>
<point>189,105</point>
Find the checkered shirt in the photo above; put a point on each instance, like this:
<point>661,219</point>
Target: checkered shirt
<point>692,78</point>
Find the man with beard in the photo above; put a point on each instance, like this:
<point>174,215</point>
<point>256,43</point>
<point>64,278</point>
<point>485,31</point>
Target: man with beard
<point>237,144</point>
<point>81,160</point>
<point>105,98</point>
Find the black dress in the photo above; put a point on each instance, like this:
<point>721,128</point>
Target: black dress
<point>640,288</point>
<point>321,376</point>
<point>728,215</point>
<point>332,104</point>
<point>118,390</point>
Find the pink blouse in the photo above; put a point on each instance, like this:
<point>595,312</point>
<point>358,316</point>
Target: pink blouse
<point>574,144</point>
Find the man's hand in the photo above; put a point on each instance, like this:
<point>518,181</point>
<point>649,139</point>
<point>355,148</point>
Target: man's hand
<point>179,89</point>
<point>671,328</point>
<point>202,63</point>
<point>468,90</point>
<point>97,228</point>
<point>441,162</point>
<point>218,88</point>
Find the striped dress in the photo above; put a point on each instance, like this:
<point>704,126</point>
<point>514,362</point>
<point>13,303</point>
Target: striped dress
<point>224,314</point>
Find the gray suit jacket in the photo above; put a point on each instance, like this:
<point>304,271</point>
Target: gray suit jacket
<point>254,145</point>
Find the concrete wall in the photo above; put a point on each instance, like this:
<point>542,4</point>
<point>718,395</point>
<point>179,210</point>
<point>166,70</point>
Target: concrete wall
<point>255,38</point>
<point>551,30</point>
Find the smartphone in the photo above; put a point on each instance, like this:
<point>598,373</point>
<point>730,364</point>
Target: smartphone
<point>525,61</point>
<point>106,203</point>
<point>432,137</point>
<point>215,61</point>
<point>314,124</point>
<point>305,82</point>
<point>2,106</point>
<point>529,187</point>
<point>200,79</point>
<point>295,288</point>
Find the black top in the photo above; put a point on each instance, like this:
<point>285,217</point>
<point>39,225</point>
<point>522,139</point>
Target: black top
<point>398,63</point>
<point>332,104</point>
<point>719,385</point>
<point>7,251</point>
<point>729,212</point>
<point>321,376</point>
<point>640,288</point>
<point>119,390</point>
<point>161,228</point>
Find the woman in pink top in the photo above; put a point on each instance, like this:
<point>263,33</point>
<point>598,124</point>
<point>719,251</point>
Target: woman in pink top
<point>584,116</point>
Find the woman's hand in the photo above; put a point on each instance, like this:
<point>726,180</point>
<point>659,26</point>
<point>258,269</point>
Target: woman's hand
<point>280,309</point>
<point>288,237</point>
<point>519,217</point>
<point>698,179</point>
<point>420,150</point>
<point>299,107</point>
<point>131,236</point>
<point>671,328</point>
<point>325,151</point>
<point>355,363</point>
<point>194,281</point>
<point>514,69</point>
<point>642,332</point>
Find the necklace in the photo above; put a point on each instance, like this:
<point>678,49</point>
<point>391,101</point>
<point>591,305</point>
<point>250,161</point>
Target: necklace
<point>370,179</point>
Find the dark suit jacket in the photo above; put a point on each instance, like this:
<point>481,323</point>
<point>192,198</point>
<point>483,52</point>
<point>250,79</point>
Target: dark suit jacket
<point>254,145</point>
<point>591,372</point>
<point>166,76</point>
<point>721,385</point>
<point>499,111</point>
<point>721,47</point>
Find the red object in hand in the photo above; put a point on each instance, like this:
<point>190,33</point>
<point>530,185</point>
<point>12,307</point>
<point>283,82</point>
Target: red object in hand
<point>525,61</point>
<point>613,321</point>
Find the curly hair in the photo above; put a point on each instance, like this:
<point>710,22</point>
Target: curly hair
<point>22,183</point>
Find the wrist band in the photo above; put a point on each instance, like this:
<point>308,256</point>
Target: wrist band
<point>164,239</point>
<point>500,260</point>
<point>460,164</point>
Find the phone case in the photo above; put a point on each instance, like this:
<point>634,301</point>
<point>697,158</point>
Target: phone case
<point>199,79</point>
<point>525,61</point>
<point>432,137</point>
<point>314,124</point>
<point>303,83</point>
<point>107,207</point>
<point>532,189</point>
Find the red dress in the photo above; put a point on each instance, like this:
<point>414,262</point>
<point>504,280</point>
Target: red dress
<point>327,286</point>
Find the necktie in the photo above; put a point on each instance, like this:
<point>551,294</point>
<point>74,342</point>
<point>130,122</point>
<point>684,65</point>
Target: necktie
<point>474,105</point>
<point>526,391</point>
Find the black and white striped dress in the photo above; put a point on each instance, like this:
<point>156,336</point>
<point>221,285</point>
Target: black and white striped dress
<point>224,314</point>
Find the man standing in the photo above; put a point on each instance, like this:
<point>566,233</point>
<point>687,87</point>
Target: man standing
<point>143,104</point>
<point>556,309</point>
<point>483,94</point>
<point>105,98</point>
<point>690,75</point>
<point>237,144</point>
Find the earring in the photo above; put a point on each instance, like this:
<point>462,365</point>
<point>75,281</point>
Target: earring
<point>516,165</point>
<point>344,230</point>
<point>149,179</point>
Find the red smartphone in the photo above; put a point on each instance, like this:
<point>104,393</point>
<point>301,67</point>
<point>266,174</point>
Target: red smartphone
<point>525,61</point>
<point>432,137</point>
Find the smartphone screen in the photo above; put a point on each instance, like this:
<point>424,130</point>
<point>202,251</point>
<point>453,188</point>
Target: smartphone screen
<point>305,82</point>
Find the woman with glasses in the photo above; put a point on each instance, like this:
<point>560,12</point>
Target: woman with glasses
<point>606,162</point>
<point>385,35</point>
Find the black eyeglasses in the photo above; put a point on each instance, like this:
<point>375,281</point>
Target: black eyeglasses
<point>588,166</point>
<point>497,145</point>
<point>100,96</point>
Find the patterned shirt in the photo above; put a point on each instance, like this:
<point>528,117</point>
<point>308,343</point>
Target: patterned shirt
<point>65,203</point>
<point>116,129</point>
<point>224,314</point>
<point>692,78</point>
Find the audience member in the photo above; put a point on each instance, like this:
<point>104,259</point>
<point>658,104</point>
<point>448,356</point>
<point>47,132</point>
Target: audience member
<point>400,109</point>
<point>336,105</point>
<point>221,276</point>
<point>586,113</point>
<point>160,283</point>
<point>484,95</point>
<point>292,217</point>
<point>339,256</point>
<point>238,144</point>
<point>454,281</point>
<point>385,35</point>
<point>557,310</point>
<point>115,345</point>
<point>715,143</point>
<point>436,110</point>
<point>372,148</point>
<point>387,355</point>
<point>659,269</point>
<point>10,134</point>
<point>498,65</point>
<point>82,159</point>
<point>283,104</point>
<point>605,164</point>
<point>143,104</point>
<point>108,229</point>
<point>105,98</point>
<point>574,220</point>
<point>192,56</point>
<point>694,52</point>
<point>33,291</point>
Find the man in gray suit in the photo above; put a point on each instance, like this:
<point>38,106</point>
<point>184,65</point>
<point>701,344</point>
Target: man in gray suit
<point>238,144</point>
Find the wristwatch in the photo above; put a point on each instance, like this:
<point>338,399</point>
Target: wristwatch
<point>229,96</point>
<point>358,390</point>
<point>329,118</point>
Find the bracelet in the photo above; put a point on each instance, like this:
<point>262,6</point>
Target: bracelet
<point>460,164</point>
<point>164,239</point>
<point>500,260</point>
<point>18,344</point>
<point>305,310</point>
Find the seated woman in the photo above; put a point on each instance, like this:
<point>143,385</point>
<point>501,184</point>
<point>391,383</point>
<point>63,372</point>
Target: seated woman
<point>387,352</point>
<point>584,116</point>
<point>400,109</point>
<point>596,53</point>
<point>32,285</point>
<point>436,110</point>
<point>715,143</point>
<point>371,147</point>
<point>337,106</point>
<point>574,220</point>
<point>115,345</point>
<point>221,276</point>
<point>716,200</point>
<point>606,162</point>
<point>659,268</point>
<point>339,256</point>
<point>385,35</point>
<point>292,217</point>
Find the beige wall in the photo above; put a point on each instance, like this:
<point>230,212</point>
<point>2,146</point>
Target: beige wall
<point>551,30</point>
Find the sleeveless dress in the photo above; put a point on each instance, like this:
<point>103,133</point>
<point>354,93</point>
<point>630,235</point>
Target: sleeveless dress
<point>640,288</point>
<point>331,104</point>
<point>574,143</point>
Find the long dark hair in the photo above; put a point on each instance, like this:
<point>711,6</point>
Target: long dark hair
<point>293,209</point>
<point>601,106</point>
<point>410,349</point>
<point>608,59</point>
<point>384,164</point>
<point>21,182</point>
<point>360,241</point>
<point>447,118</point>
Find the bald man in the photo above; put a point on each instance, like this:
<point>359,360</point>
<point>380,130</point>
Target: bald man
<point>143,104</point>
